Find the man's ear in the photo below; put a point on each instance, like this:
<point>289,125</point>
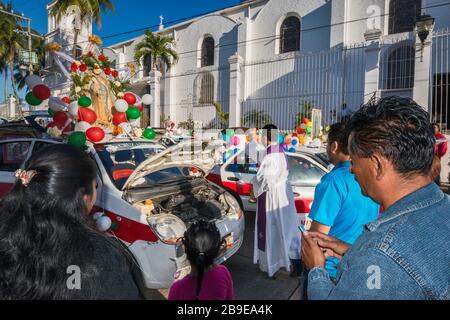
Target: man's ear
<point>334,147</point>
<point>379,166</point>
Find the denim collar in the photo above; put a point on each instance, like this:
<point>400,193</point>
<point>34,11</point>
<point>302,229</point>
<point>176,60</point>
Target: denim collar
<point>419,199</point>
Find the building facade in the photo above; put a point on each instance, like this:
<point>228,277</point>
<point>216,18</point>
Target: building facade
<point>273,60</point>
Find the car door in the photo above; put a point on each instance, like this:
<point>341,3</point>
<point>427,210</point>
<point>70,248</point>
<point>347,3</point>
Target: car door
<point>304,175</point>
<point>13,154</point>
<point>237,175</point>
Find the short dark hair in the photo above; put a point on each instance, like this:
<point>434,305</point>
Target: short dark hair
<point>269,130</point>
<point>397,129</point>
<point>338,133</point>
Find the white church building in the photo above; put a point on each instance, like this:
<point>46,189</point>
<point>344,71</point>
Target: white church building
<point>272,60</point>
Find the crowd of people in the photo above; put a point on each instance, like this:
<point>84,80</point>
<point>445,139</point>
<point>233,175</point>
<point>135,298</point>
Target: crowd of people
<point>380,230</point>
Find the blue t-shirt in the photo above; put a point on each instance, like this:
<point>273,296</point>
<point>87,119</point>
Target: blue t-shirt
<point>340,204</point>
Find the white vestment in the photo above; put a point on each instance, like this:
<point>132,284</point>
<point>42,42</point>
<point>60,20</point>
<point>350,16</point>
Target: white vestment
<point>281,239</point>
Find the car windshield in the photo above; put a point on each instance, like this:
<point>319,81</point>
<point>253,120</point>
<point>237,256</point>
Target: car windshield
<point>303,172</point>
<point>121,159</point>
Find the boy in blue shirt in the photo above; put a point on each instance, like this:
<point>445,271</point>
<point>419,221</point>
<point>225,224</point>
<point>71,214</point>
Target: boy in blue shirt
<point>340,209</point>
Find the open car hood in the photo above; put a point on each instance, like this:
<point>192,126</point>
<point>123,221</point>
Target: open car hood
<point>203,155</point>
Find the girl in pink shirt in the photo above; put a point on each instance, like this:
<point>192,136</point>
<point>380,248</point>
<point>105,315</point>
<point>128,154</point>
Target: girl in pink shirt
<point>202,244</point>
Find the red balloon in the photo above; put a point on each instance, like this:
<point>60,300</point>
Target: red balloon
<point>130,98</point>
<point>86,114</point>
<point>42,92</point>
<point>95,134</point>
<point>60,117</point>
<point>305,120</point>
<point>119,118</point>
<point>68,129</point>
<point>66,100</point>
<point>141,108</point>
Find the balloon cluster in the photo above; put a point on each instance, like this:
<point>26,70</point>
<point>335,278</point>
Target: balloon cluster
<point>39,92</point>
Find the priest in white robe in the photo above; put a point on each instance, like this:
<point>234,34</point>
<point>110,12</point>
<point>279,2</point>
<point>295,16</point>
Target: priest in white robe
<point>277,237</point>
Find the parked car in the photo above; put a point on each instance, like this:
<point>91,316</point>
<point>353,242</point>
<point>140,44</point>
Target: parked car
<point>306,169</point>
<point>150,198</point>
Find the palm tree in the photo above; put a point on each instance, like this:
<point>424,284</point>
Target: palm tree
<point>87,9</point>
<point>158,48</point>
<point>11,43</point>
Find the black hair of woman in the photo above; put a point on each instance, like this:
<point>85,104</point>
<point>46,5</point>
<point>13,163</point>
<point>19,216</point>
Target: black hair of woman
<point>45,228</point>
<point>202,242</point>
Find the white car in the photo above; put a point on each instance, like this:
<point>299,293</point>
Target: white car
<point>150,198</point>
<point>306,169</point>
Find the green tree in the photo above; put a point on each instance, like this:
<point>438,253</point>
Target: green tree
<point>256,119</point>
<point>305,113</point>
<point>158,47</point>
<point>87,8</point>
<point>224,117</point>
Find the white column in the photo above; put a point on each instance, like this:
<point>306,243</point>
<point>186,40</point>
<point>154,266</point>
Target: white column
<point>235,90</point>
<point>155,108</point>
<point>421,91</point>
<point>11,104</point>
<point>372,68</point>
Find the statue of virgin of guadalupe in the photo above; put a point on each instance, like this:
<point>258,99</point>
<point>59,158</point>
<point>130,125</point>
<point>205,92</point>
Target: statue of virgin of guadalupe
<point>102,100</point>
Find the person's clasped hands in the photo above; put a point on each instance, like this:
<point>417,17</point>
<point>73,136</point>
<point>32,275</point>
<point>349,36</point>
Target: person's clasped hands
<point>317,247</point>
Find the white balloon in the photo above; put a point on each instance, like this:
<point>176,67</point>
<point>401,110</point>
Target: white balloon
<point>135,123</point>
<point>82,126</point>
<point>56,104</point>
<point>147,99</point>
<point>33,80</point>
<point>104,224</point>
<point>121,105</point>
<point>97,215</point>
<point>73,109</point>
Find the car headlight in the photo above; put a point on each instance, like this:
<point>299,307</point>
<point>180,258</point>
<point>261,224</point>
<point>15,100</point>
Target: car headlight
<point>235,211</point>
<point>168,228</point>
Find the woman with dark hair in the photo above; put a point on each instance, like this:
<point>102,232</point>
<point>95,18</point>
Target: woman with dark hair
<point>202,243</point>
<point>50,248</point>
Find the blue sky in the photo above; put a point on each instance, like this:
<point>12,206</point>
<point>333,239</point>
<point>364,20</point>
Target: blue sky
<point>129,15</point>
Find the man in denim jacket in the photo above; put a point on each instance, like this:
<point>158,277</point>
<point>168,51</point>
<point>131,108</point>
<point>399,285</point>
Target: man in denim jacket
<point>405,254</point>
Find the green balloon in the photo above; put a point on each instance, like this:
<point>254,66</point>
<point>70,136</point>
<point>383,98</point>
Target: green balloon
<point>51,112</point>
<point>77,139</point>
<point>84,102</point>
<point>149,134</point>
<point>32,100</point>
<point>133,113</point>
<point>308,130</point>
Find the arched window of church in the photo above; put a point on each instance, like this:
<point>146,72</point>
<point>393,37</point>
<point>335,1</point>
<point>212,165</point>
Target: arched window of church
<point>399,67</point>
<point>208,52</point>
<point>78,53</point>
<point>403,15</point>
<point>147,65</point>
<point>290,35</point>
<point>206,89</point>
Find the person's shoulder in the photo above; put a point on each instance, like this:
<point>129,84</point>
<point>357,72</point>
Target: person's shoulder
<point>222,271</point>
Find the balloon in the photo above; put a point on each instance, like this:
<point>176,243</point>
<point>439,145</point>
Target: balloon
<point>117,130</point>
<point>294,141</point>
<point>51,112</point>
<point>119,118</point>
<point>292,150</point>
<point>133,113</point>
<point>121,105</point>
<point>284,146</point>
<point>308,130</point>
<point>288,140</point>
<point>302,141</point>
<point>53,125</point>
<point>84,102</point>
<point>66,100</point>
<point>73,109</point>
<point>149,134</point>
<point>235,151</point>
<point>95,134</point>
<point>82,126</point>
<point>305,121</point>
<point>60,117</point>
<point>68,128</point>
<point>235,141</point>
<point>42,92</point>
<point>77,139</point>
<point>141,108</point>
<point>56,104</point>
<point>135,123</point>
<point>280,139</point>
<point>32,81</point>
<point>147,99</point>
<point>226,138</point>
<point>32,100</point>
<point>309,124</point>
<point>130,98</point>
<point>104,223</point>
<point>86,114</point>
<point>303,126</point>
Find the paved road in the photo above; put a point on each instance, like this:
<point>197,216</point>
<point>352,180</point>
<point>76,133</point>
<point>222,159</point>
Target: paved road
<point>249,282</point>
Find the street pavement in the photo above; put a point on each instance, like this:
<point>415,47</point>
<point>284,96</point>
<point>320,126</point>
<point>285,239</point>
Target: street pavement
<point>249,282</point>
